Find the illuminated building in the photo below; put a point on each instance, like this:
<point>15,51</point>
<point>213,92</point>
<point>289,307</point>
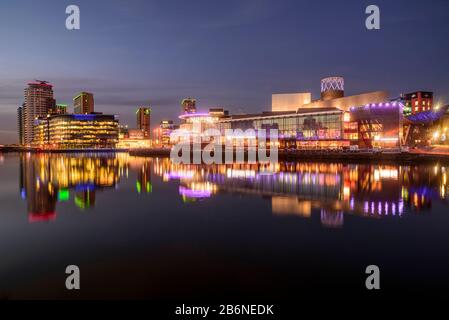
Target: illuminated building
<point>427,127</point>
<point>379,125</point>
<point>123,131</point>
<point>389,125</point>
<point>58,108</point>
<point>76,131</point>
<point>367,120</point>
<point>38,100</point>
<point>135,134</point>
<point>41,132</point>
<point>332,88</point>
<point>289,101</point>
<point>441,130</point>
<point>83,103</point>
<point>165,129</point>
<point>140,137</point>
<point>303,123</point>
<point>144,121</point>
<point>345,103</point>
<point>350,129</point>
<point>332,96</point>
<point>188,105</point>
<point>301,129</point>
<point>418,101</point>
<point>218,112</point>
<point>133,139</point>
<point>194,124</point>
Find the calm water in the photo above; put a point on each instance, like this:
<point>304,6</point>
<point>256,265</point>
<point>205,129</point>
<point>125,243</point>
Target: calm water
<point>145,228</point>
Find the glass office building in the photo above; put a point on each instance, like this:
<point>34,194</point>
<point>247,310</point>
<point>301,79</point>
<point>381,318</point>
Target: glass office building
<point>303,129</point>
<point>77,131</point>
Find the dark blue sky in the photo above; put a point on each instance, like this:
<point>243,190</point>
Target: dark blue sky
<point>233,54</point>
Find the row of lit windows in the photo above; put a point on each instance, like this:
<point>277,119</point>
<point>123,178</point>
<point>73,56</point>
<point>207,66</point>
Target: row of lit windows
<point>424,103</point>
<point>423,109</point>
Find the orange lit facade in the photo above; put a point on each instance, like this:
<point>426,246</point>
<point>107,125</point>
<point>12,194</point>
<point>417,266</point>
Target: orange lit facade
<point>76,131</point>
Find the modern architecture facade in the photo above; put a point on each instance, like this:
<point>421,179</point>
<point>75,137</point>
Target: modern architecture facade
<point>301,129</point>
<point>218,112</point>
<point>332,96</point>
<point>332,88</point>
<point>76,131</point>
<point>144,121</point>
<point>194,124</point>
<point>166,128</point>
<point>378,125</point>
<point>133,139</point>
<point>335,121</point>
<point>83,103</point>
<point>418,101</point>
<point>38,100</point>
<point>58,108</point>
<point>326,123</point>
<point>289,101</point>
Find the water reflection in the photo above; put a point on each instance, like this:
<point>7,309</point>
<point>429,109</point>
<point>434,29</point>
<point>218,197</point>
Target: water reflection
<point>47,179</point>
<point>331,190</point>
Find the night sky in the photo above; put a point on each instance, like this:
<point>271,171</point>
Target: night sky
<point>233,54</point>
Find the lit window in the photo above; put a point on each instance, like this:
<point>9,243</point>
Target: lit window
<point>416,102</point>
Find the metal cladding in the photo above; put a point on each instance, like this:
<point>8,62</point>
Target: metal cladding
<point>332,88</point>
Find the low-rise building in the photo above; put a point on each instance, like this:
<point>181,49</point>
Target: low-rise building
<point>76,131</point>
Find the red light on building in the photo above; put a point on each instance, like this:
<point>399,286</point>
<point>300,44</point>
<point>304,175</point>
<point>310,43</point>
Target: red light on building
<point>418,101</point>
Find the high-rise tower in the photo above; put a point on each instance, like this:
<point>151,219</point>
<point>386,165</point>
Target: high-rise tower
<point>83,103</point>
<point>38,100</point>
<point>144,120</point>
<point>20,124</point>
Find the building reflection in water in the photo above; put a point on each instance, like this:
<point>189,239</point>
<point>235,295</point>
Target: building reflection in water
<point>143,183</point>
<point>47,179</point>
<point>295,189</point>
